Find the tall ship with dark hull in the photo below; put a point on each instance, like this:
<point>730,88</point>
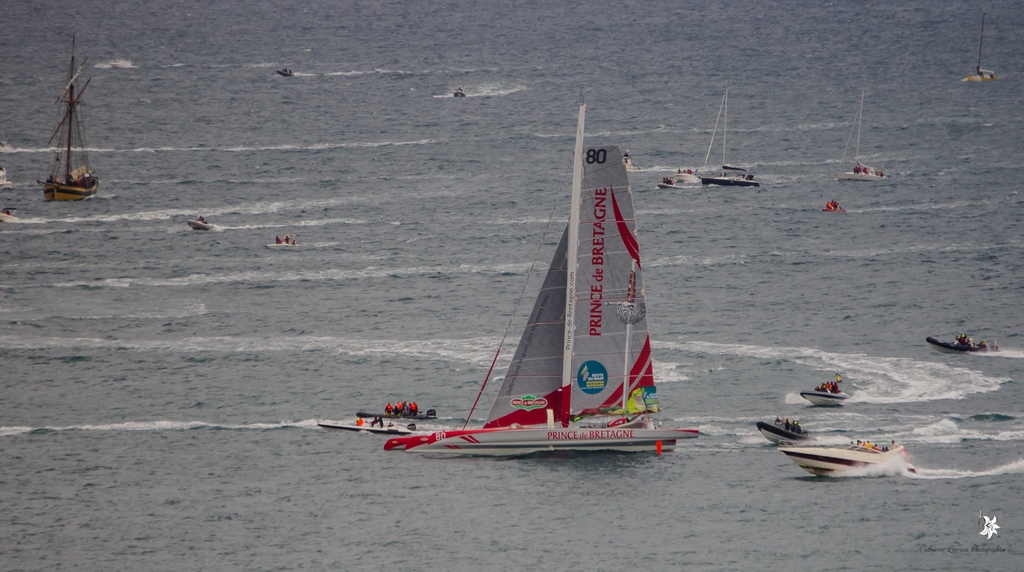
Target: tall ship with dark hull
<point>71,178</point>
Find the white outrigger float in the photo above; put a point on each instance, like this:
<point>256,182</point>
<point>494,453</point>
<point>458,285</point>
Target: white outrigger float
<point>582,377</point>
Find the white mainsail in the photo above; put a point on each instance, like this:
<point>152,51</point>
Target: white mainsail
<point>592,339</point>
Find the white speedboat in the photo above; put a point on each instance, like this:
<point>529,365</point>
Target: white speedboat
<point>834,460</point>
<point>365,427</point>
<point>680,180</point>
<point>627,160</point>
<point>7,215</point>
<point>4,183</point>
<point>199,224</point>
<point>825,398</point>
<point>582,377</point>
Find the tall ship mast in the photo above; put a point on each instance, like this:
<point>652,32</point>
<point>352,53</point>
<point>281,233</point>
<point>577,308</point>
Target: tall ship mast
<point>71,178</point>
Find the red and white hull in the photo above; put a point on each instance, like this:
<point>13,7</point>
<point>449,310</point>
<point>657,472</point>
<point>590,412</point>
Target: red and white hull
<point>510,442</point>
<point>830,460</point>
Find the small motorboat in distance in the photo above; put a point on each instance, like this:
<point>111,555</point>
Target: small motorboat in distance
<point>962,345</point>
<point>7,215</point>
<point>285,72</point>
<point>834,460</point>
<point>459,93</point>
<point>782,432</point>
<point>288,241</point>
<point>392,429</point>
<point>678,180</point>
<point>4,183</point>
<point>199,223</point>
<point>824,398</point>
<point>627,160</point>
<point>833,207</point>
<point>827,394</point>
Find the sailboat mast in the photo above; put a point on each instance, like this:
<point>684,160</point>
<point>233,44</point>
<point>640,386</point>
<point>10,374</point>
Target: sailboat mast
<point>571,264</point>
<point>981,41</point>
<point>860,115</point>
<point>713,132</point>
<point>71,120</point>
<point>725,125</point>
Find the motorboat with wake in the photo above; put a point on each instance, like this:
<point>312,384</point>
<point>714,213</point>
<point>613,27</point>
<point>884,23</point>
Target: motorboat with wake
<point>627,160</point>
<point>71,178</point>
<point>730,176</point>
<point>827,394</point>
<point>833,207</point>
<point>859,172</point>
<point>835,460</point>
<point>285,72</point>
<point>4,182</point>
<point>458,92</point>
<point>199,223</point>
<point>681,180</point>
<point>962,345</point>
<point>781,432</point>
<point>824,398</point>
<point>582,376</point>
<point>392,429</point>
<point>7,215</point>
<point>982,74</point>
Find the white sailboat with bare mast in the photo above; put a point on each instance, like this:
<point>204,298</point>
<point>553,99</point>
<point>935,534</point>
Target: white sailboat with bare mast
<point>582,377</point>
<point>860,172</point>
<point>730,176</point>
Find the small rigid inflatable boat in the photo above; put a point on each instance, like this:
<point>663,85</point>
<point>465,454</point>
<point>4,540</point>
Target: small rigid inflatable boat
<point>824,398</point>
<point>778,434</point>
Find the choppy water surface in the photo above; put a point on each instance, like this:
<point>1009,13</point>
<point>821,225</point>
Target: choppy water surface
<point>161,386</point>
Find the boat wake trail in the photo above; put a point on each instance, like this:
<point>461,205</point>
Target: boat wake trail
<point>894,466</point>
<point>158,426</point>
<point>874,379</point>
<point>1016,467</point>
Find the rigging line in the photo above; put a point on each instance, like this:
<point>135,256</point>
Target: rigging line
<point>540,245</point>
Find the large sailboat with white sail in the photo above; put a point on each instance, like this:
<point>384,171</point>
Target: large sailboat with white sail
<point>859,172</point>
<point>582,377</point>
<point>71,178</point>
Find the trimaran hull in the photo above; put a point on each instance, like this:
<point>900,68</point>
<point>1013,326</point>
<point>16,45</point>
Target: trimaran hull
<point>506,441</point>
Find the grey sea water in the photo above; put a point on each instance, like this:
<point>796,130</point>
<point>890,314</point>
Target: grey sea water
<point>161,387</point>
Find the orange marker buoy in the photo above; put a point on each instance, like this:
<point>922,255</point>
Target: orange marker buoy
<point>657,445</point>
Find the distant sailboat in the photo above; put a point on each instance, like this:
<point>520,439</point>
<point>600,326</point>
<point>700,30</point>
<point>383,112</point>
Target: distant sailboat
<point>982,75</point>
<point>70,179</point>
<point>859,172</point>
<point>731,176</point>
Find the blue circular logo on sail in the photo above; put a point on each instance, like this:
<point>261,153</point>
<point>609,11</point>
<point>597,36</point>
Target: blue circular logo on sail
<point>592,377</point>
